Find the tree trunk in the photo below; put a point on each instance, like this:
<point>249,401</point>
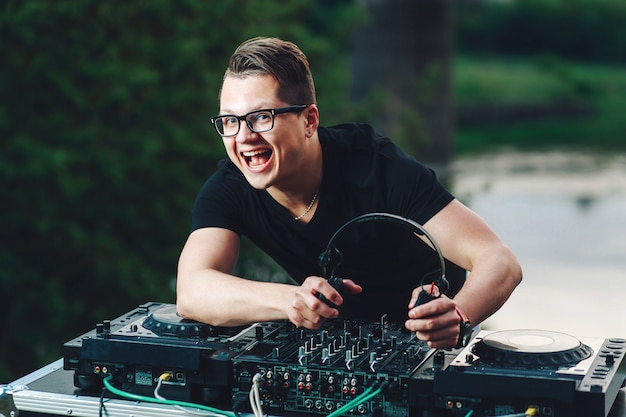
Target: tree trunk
<point>404,55</point>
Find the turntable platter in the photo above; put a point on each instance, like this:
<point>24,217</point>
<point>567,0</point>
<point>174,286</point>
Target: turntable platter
<point>166,322</point>
<point>530,348</point>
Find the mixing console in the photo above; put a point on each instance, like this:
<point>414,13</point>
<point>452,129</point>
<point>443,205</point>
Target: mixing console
<point>319,371</point>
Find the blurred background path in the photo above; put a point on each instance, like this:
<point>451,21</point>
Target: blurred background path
<point>564,214</point>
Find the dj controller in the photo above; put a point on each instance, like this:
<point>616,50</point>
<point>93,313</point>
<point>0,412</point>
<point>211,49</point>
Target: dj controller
<point>298,372</point>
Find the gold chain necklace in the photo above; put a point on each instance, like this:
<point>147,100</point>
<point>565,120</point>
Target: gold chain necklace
<point>308,208</point>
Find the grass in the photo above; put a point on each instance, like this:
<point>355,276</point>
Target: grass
<point>506,81</point>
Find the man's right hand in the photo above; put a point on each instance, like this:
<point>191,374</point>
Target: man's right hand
<point>307,310</point>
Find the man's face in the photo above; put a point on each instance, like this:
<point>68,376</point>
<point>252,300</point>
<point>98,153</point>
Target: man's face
<point>268,159</point>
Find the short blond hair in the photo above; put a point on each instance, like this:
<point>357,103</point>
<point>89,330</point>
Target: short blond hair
<point>282,60</point>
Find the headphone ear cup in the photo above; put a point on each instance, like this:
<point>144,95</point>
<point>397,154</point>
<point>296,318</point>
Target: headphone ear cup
<point>324,259</point>
<point>336,283</point>
<point>332,253</point>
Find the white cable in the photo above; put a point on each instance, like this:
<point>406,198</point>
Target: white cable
<point>255,397</point>
<point>183,409</point>
<point>253,400</point>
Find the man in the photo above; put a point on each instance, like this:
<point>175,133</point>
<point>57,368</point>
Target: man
<point>289,184</point>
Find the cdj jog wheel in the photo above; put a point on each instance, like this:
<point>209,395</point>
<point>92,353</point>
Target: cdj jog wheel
<point>166,322</point>
<point>531,349</point>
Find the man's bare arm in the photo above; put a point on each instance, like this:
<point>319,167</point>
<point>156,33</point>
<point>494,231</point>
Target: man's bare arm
<point>208,292</point>
<point>466,240</point>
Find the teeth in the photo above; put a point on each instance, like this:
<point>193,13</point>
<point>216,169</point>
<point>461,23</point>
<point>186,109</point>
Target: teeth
<point>252,153</point>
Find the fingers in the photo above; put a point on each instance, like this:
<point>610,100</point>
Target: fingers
<point>435,322</point>
<point>432,289</point>
<point>350,287</point>
<point>442,339</point>
<point>307,310</point>
<point>316,285</point>
<point>435,307</point>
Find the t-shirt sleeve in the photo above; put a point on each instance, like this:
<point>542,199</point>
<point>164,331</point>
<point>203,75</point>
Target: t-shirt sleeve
<point>413,189</point>
<point>218,204</point>
<point>429,190</point>
<point>380,176</point>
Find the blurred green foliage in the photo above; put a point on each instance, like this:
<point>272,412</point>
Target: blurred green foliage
<point>589,30</point>
<point>537,74</point>
<point>583,104</point>
<point>513,79</point>
<point>105,140</point>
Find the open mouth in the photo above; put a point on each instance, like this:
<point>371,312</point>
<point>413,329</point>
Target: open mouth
<point>258,158</point>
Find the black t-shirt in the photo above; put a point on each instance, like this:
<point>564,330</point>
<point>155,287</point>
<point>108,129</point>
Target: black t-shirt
<point>363,172</point>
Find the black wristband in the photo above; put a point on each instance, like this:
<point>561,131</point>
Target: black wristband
<point>465,329</point>
<point>465,334</point>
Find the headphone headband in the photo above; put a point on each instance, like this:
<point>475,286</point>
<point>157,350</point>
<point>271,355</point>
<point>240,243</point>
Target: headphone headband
<point>410,225</point>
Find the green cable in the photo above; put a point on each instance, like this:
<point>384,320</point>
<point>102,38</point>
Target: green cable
<point>372,395</point>
<point>351,404</point>
<point>365,396</point>
<point>143,398</point>
<point>358,401</point>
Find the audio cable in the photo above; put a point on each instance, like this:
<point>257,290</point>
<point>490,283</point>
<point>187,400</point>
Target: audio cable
<point>367,395</point>
<point>255,398</point>
<point>165,376</point>
<point>135,397</point>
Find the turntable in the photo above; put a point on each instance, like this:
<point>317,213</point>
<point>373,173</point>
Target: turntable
<point>140,345</point>
<point>552,373</point>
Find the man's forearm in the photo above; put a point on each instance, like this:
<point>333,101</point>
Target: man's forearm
<point>221,299</point>
<point>489,285</point>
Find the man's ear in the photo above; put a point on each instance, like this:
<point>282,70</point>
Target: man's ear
<point>311,119</point>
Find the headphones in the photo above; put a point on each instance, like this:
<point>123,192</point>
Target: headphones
<point>332,255</point>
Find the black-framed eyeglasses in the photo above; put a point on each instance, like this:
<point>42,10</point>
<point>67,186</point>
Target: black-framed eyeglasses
<point>258,121</point>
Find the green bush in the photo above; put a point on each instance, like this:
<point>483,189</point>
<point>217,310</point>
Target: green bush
<point>575,29</point>
<point>104,120</point>
<point>574,104</point>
